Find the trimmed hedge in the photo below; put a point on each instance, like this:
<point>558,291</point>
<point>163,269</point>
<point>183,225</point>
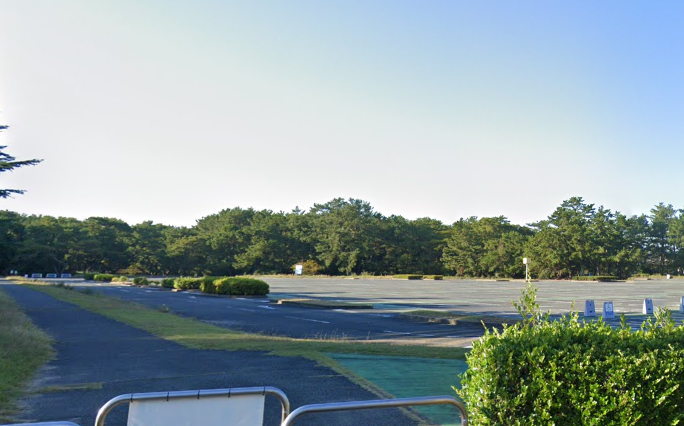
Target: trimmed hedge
<point>167,282</point>
<point>89,276</point>
<point>187,283</point>
<point>408,277</point>
<point>237,286</point>
<point>433,277</point>
<point>141,281</point>
<point>604,278</point>
<point>541,372</point>
<point>106,278</point>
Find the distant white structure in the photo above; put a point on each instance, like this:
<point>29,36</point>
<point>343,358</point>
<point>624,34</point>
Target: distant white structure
<point>299,269</point>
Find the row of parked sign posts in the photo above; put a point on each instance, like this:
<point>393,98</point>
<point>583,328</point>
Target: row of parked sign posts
<point>609,310</point>
<point>47,275</point>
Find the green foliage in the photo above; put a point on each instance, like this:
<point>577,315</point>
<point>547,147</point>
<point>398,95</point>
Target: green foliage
<point>89,276</point>
<point>207,286</point>
<point>604,278</point>
<point>433,277</point>
<point>248,287</point>
<point>9,163</point>
<point>407,277</point>
<point>187,283</point>
<point>569,372</point>
<point>310,267</point>
<point>121,279</point>
<point>106,278</point>
<point>238,286</point>
<point>168,282</point>
<point>141,281</point>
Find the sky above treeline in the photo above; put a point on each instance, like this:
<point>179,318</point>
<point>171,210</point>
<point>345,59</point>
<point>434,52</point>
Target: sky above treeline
<point>171,111</point>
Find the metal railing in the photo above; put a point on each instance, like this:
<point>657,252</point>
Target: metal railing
<point>377,404</point>
<point>195,394</point>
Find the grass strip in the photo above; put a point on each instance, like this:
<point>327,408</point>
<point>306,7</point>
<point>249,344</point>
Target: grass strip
<point>23,349</point>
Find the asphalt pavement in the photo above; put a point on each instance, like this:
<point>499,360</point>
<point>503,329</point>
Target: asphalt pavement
<point>98,359</point>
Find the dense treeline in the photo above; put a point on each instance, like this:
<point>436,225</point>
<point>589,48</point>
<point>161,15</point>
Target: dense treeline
<point>343,237</point>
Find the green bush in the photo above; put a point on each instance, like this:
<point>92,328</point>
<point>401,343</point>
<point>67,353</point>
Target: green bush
<point>248,287</point>
<point>222,286</point>
<point>605,278</point>
<point>187,283</point>
<point>238,286</point>
<point>433,277</point>
<point>106,278</point>
<point>569,372</point>
<point>141,281</point>
<point>408,277</point>
<point>121,279</point>
<point>310,267</point>
<point>89,276</point>
<point>167,282</point>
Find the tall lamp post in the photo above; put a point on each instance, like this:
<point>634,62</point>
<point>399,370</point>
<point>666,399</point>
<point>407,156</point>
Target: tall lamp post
<point>526,262</point>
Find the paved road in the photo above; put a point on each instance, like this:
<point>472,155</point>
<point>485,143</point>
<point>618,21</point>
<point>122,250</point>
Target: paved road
<point>92,349</point>
<point>261,316</point>
<point>390,297</point>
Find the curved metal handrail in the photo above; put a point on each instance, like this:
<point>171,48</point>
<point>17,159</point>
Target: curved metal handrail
<point>104,411</point>
<point>375,404</point>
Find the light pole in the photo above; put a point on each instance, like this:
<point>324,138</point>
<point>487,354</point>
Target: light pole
<point>526,262</point>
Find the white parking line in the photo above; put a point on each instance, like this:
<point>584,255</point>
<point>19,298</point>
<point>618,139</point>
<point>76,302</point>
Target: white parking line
<point>265,307</point>
<point>396,332</point>
<point>425,335</point>
<point>248,310</point>
<point>311,320</point>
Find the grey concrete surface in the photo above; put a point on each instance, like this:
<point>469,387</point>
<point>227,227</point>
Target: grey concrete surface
<point>95,351</point>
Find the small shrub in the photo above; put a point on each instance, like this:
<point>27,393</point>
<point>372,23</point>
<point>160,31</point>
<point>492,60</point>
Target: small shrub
<point>222,286</point>
<point>89,276</point>
<point>121,279</point>
<point>433,277</point>
<point>105,278</point>
<point>167,282</point>
<point>141,281</point>
<point>187,283</point>
<point>310,267</point>
<point>247,287</point>
<point>603,278</point>
<point>408,277</point>
<point>207,286</point>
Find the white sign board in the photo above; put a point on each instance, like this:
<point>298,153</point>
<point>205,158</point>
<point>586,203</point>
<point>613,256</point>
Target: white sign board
<point>608,311</point>
<point>51,276</point>
<point>648,306</point>
<point>589,308</point>
<point>66,275</point>
<point>299,269</point>
<point>242,410</point>
<point>681,305</point>
<point>36,275</point>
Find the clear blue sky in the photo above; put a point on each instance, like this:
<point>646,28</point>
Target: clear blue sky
<point>171,111</point>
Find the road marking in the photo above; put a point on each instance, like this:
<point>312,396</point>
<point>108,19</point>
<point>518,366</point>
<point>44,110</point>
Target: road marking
<point>397,332</point>
<point>344,310</point>
<point>425,335</point>
<point>127,291</point>
<point>311,320</point>
<point>192,297</point>
<point>248,310</point>
<point>265,307</point>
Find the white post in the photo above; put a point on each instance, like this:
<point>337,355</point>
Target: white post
<point>608,311</point>
<point>526,262</point>
<point>589,308</point>
<point>648,307</point>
